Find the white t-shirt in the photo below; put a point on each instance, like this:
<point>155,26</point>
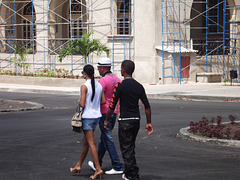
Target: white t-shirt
<point>92,108</point>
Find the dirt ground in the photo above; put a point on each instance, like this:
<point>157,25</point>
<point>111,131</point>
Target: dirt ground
<point>10,105</point>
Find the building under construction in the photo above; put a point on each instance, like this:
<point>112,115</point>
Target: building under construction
<point>170,41</point>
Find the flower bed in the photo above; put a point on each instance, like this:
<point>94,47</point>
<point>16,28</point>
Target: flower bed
<point>57,73</point>
<point>215,128</point>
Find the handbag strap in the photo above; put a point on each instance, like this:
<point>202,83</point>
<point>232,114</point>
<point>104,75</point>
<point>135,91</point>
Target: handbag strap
<point>78,109</point>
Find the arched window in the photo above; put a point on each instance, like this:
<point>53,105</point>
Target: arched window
<point>77,18</point>
<point>123,17</point>
<point>76,8</point>
<point>124,7</point>
<point>28,9</point>
<point>28,28</point>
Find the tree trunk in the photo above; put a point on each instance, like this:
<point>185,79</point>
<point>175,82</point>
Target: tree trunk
<point>85,60</point>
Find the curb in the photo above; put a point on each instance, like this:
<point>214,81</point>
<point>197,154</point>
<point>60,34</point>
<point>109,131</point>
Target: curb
<point>207,98</point>
<point>170,96</point>
<point>36,106</point>
<point>193,97</point>
<point>41,91</point>
<point>184,134</point>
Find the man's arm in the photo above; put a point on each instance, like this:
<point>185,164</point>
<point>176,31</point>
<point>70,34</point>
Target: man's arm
<point>112,105</point>
<point>149,128</point>
<point>145,102</point>
<point>108,116</point>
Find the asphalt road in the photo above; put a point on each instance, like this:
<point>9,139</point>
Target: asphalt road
<point>40,144</point>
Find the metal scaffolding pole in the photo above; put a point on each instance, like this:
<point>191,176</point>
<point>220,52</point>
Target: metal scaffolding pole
<point>171,40</point>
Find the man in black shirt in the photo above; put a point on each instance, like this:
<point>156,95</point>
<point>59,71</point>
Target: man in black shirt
<point>127,93</point>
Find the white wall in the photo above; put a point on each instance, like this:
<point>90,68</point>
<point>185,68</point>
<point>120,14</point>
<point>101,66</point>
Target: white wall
<point>145,36</point>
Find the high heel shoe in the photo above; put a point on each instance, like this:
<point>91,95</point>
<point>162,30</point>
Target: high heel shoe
<point>97,175</point>
<point>73,170</point>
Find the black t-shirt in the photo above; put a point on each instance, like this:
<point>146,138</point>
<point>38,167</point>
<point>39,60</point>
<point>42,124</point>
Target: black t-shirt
<point>128,92</point>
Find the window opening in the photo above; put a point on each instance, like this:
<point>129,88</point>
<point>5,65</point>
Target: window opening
<point>28,31</point>
<point>123,17</point>
<point>76,10</point>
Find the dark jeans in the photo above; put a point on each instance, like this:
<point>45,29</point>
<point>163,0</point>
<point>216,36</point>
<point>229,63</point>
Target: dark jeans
<point>107,144</point>
<point>127,133</point>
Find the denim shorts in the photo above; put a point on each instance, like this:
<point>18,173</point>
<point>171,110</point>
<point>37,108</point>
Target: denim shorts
<point>90,123</point>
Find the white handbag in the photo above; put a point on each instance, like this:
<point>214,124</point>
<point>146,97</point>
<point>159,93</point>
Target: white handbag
<point>77,120</point>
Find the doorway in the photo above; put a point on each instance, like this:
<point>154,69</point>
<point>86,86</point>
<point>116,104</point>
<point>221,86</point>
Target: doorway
<point>185,66</point>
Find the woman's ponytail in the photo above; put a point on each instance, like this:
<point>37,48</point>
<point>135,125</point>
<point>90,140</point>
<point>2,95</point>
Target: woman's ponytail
<point>93,87</point>
<point>89,70</point>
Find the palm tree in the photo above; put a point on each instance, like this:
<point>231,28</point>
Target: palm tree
<point>21,61</point>
<point>84,47</point>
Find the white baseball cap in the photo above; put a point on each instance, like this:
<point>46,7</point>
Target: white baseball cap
<point>104,62</point>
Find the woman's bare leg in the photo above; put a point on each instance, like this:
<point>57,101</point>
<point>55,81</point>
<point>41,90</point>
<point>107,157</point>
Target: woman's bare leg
<point>84,153</point>
<point>91,142</point>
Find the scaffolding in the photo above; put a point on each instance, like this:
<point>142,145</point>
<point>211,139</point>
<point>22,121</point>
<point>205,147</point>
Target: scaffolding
<point>215,31</point>
<point>47,25</point>
<point>21,16</point>
<point>8,34</point>
<point>171,39</point>
<point>122,29</point>
<point>233,42</point>
<point>222,38</point>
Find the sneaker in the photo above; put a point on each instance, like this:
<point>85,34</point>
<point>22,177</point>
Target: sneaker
<point>91,165</point>
<point>113,171</point>
<point>124,177</point>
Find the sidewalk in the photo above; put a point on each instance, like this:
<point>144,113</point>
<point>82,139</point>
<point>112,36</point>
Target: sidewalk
<point>195,91</point>
<point>39,89</point>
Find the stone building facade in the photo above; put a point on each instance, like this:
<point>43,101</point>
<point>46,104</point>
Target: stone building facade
<point>169,40</point>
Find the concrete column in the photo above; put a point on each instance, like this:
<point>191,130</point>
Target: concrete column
<point>41,22</point>
<point>145,37</point>
<point>185,20</point>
